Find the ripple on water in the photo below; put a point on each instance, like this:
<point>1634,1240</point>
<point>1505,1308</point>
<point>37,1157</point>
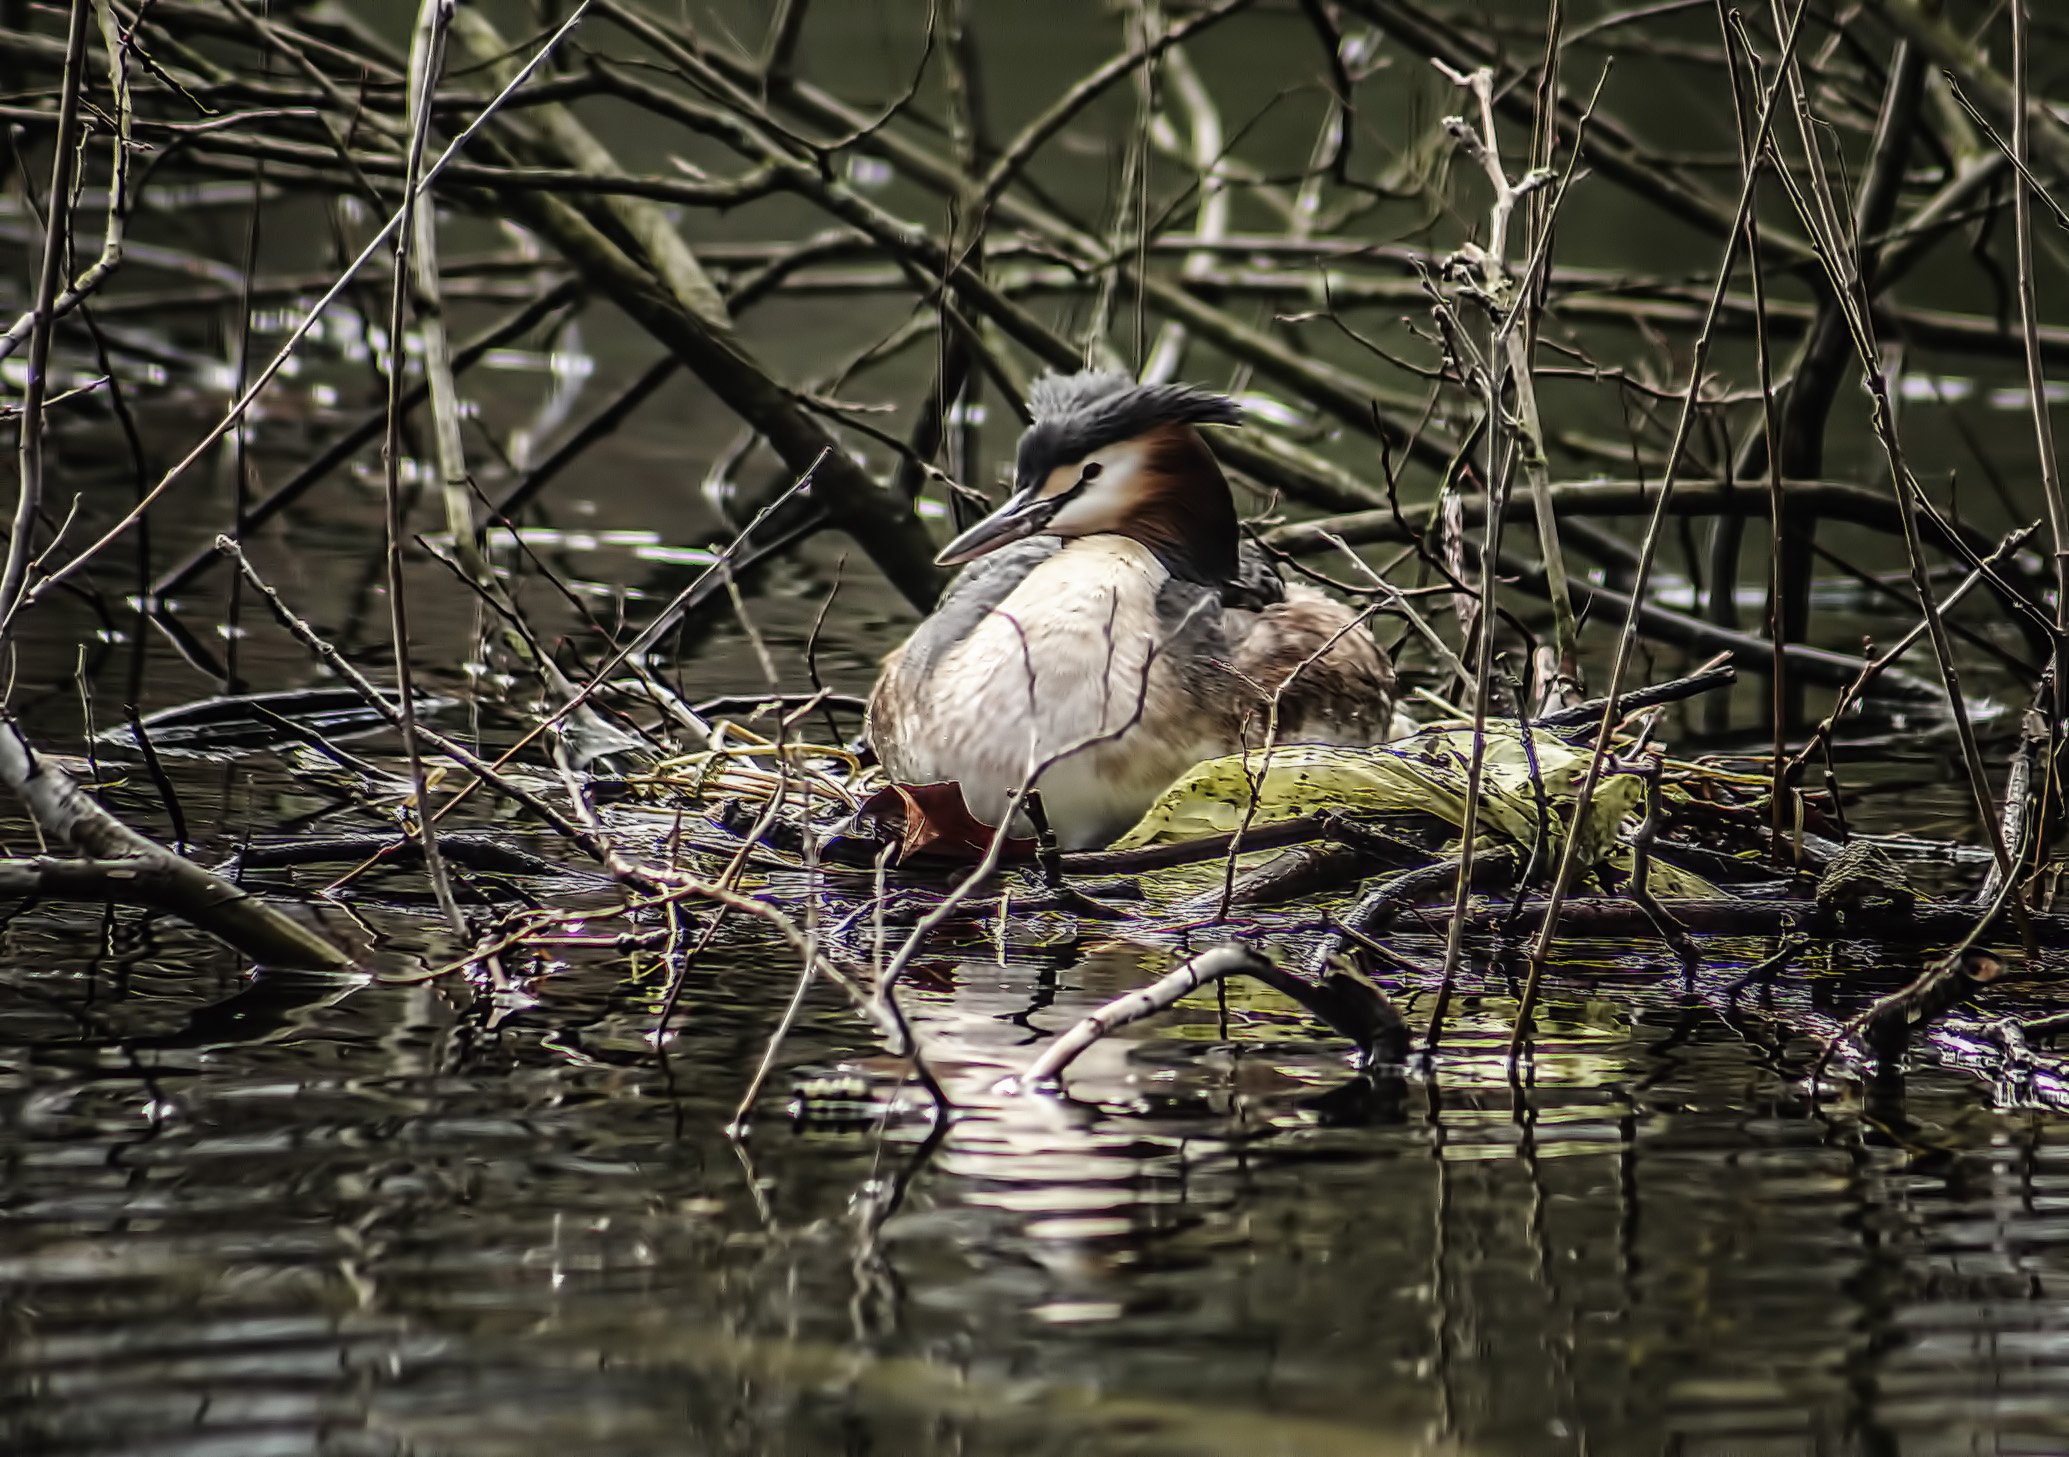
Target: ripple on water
<point>380,1226</point>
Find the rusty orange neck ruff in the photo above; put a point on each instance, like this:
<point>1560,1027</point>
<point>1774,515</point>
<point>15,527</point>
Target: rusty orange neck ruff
<point>1182,508</point>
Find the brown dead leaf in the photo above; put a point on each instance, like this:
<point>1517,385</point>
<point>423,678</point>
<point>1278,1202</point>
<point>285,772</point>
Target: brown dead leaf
<point>931,819</point>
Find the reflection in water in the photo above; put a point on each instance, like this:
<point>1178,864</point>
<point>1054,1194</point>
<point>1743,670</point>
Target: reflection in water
<point>310,1214</point>
<point>294,1214</point>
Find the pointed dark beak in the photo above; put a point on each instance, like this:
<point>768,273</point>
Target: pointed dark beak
<point>1023,515</point>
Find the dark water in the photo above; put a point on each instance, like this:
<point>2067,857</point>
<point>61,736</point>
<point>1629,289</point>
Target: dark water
<point>307,1214</point>
<point>247,1214</point>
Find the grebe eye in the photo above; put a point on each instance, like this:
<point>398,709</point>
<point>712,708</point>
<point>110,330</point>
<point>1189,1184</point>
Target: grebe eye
<point>1091,472</point>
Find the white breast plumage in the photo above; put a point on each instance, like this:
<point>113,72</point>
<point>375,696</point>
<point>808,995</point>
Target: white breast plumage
<point>1067,672</point>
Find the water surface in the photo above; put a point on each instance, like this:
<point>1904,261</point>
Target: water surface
<point>246,1214</point>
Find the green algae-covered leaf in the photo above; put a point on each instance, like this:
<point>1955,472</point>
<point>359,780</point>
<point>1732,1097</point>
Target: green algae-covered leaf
<point>1669,882</point>
<point>1617,797</point>
<point>1425,773</point>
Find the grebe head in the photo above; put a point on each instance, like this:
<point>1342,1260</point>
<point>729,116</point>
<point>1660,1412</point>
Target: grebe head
<point>1106,454</point>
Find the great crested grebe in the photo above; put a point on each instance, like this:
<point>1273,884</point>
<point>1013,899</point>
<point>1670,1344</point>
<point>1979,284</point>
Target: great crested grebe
<point>1112,628</point>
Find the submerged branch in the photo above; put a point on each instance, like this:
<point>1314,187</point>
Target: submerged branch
<point>123,860</point>
<point>1356,1008</point>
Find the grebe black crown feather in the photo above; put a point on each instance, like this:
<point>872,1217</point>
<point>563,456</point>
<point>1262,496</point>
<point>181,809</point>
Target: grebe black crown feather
<point>1104,454</point>
<point>1076,414</point>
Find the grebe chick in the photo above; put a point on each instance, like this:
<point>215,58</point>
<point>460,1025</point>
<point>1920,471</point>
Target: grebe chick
<point>1112,628</point>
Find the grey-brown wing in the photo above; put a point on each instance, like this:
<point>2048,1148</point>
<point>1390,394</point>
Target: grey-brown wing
<point>1335,685</point>
<point>1257,584</point>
